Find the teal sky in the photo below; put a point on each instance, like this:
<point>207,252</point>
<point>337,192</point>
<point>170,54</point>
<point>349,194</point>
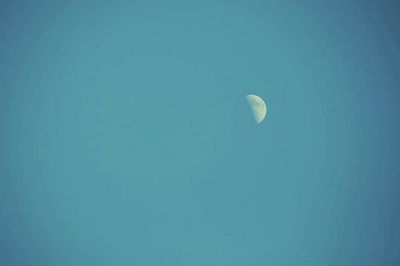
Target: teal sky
<point>126,138</point>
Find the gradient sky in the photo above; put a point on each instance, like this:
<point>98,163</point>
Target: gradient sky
<point>126,138</point>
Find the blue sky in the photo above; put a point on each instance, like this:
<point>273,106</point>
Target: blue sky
<point>127,139</point>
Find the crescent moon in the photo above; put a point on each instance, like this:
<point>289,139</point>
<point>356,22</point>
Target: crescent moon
<point>258,107</point>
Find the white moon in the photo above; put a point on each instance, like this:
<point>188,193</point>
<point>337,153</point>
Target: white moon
<point>258,107</point>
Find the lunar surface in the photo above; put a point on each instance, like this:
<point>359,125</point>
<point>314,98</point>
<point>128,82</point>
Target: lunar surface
<point>258,107</point>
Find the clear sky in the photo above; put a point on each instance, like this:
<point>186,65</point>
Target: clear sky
<point>126,138</point>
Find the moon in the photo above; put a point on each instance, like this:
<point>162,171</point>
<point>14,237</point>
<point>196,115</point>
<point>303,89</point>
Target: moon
<point>258,107</point>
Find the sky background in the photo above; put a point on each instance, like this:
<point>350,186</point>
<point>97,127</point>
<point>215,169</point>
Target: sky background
<point>126,138</point>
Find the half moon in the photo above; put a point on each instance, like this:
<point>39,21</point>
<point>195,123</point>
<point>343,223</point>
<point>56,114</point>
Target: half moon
<point>258,107</point>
